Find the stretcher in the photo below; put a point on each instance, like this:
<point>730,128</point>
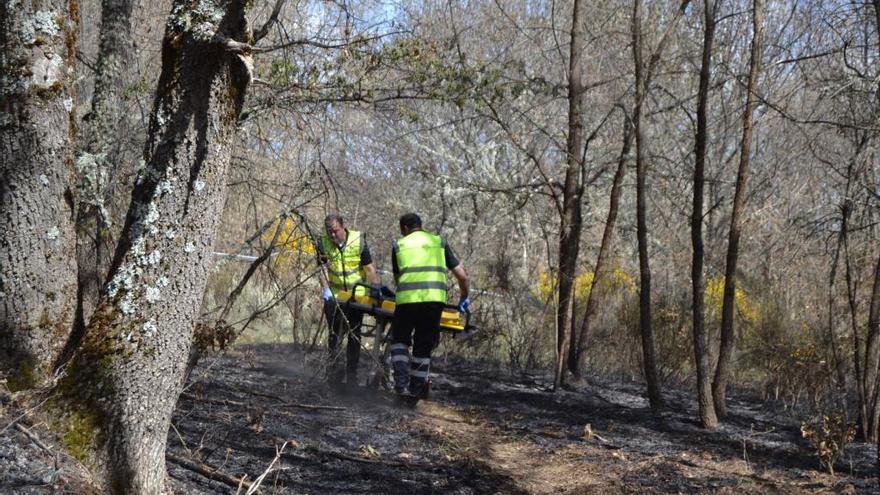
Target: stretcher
<point>379,302</point>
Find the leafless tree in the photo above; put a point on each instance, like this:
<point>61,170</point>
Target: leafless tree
<point>728,334</point>
<point>702,349</point>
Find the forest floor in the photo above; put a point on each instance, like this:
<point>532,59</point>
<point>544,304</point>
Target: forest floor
<point>264,410</point>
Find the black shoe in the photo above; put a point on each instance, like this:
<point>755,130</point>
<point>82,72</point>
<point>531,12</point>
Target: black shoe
<point>339,388</point>
<point>420,390</point>
<point>406,399</point>
<point>419,393</point>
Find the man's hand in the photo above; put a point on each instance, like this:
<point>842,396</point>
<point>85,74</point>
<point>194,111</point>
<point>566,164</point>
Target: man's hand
<point>326,294</point>
<point>464,304</point>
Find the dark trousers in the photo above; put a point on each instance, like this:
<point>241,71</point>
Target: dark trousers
<point>343,323</point>
<point>417,324</point>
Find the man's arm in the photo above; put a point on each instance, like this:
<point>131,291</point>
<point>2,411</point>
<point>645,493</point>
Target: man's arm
<point>463,281</point>
<point>395,270</point>
<point>322,264</point>
<point>372,275</point>
<point>455,266</point>
<point>367,263</point>
<point>323,280</point>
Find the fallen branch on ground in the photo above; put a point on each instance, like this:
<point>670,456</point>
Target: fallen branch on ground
<point>232,403</point>
<point>34,438</point>
<point>418,466</point>
<point>207,471</point>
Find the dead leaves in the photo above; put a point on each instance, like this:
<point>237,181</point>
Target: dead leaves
<point>368,452</point>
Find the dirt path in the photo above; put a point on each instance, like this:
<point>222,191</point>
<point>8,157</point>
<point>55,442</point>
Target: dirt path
<point>529,467</point>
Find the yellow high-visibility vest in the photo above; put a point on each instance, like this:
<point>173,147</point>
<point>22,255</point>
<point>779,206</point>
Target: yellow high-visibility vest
<point>344,264</point>
<point>421,262</point>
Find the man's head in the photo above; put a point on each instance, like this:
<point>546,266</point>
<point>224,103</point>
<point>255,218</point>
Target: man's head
<point>335,228</point>
<point>410,222</point>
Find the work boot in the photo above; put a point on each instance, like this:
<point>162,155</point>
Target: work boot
<point>351,379</point>
<point>418,377</point>
<point>335,376</point>
<point>400,365</point>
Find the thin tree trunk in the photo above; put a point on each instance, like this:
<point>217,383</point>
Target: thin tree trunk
<point>702,358</point>
<point>643,77</point>
<point>594,298</point>
<point>832,317</point>
<point>877,111</point>
<point>37,236</point>
<point>871,412</point>
<point>645,321</point>
<point>570,231</point>
<point>728,332</point>
<point>129,371</point>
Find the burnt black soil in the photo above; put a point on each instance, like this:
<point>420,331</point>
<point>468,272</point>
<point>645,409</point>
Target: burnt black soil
<point>482,431</point>
<point>264,410</point>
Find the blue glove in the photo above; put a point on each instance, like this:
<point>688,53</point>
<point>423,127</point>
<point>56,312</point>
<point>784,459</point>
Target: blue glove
<point>463,305</point>
<point>326,294</point>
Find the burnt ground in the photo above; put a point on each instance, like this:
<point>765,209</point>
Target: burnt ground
<point>482,432</point>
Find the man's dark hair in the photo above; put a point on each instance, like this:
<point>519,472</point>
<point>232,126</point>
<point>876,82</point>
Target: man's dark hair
<point>333,218</point>
<point>411,221</point>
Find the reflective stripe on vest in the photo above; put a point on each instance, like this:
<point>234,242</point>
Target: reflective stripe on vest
<point>344,265</point>
<point>421,262</point>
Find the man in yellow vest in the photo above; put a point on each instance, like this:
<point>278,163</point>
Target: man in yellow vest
<point>420,260</point>
<point>345,254</point>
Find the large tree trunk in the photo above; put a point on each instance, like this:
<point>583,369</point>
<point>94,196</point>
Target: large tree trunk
<point>129,371</point>
<point>101,156</point>
<point>570,229</point>
<point>37,273</point>
<point>702,357</point>
<point>728,333</point>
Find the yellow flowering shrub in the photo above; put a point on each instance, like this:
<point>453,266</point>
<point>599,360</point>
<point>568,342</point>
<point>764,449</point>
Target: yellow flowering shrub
<point>614,281</point>
<point>293,245</point>
<point>714,297</point>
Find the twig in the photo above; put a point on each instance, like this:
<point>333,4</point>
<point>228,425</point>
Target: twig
<point>346,457</point>
<point>273,18</point>
<point>25,413</point>
<point>260,478</point>
<point>182,441</point>
<point>313,407</point>
<point>34,438</point>
<point>207,471</point>
<point>589,434</point>
<point>293,404</point>
<point>13,422</point>
<point>206,400</point>
<point>232,403</point>
<point>383,462</point>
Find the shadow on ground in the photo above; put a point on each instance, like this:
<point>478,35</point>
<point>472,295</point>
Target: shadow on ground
<point>481,432</point>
